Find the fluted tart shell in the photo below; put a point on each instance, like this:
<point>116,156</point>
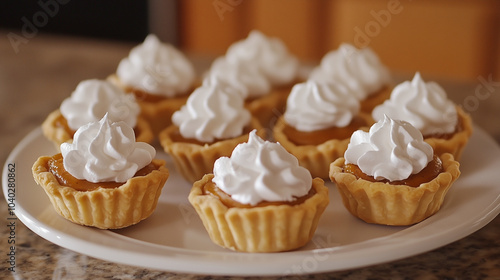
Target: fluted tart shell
<point>316,158</point>
<point>105,208</point>
<point>271,228</point>
<point>388,204</point>
<point>193,160</point>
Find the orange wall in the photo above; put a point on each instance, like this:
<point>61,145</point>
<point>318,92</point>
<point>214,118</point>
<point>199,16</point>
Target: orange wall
<point>448,38</point>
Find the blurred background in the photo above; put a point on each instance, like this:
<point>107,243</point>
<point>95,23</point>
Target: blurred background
<point>452,39</point>
<point>47,47</point>
<point>448,38</point>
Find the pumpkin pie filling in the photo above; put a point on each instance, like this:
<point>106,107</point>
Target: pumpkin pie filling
<point>56,167</point>
<point>146,97</point>
<point>211,189</point>
<point>447,136</point>
<point>373,97</point>
<point>320,136</point>
<point>431,171</point>
<point>143,96</point>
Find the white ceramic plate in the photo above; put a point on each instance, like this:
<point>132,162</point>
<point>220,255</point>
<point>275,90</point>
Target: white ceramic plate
<point>173,238</point>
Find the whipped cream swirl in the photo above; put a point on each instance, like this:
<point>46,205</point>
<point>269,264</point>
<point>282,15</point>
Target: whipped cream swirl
<point>92,99</point>
<point>261,171</point>
<point>213,111</point>
<point>358,69</point>
<point>245,76</point>
<point>269,55</point>
<point>392,150</point>
<point>105,151</point>
<point>156,68</point>
<point>423,104</point>
<point>314,106</point>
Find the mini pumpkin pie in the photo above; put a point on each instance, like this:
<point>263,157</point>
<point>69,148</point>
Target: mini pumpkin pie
<point>259,199</point>
<point>358,69</point>
<point>252,84</point>
<point>90,101</point>
<point>103,178</point>
<point>269,57</point>
<point>317,124</point>
<point>444,125</point>
<point>391,176</point>
<point>161,78</point>
<point>209,126</point>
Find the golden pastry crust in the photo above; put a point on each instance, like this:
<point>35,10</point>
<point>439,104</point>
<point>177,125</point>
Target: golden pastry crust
<point>159,113</point>
<point>401,205</point>
<point>375,99</point>
<point>193,160</point>
<point>316,158</point>
<point>272,228</point>
<point>105,208</point>
<point>268,108</point>
<point>55,133</point>
<point>456,144</point>
<point>54,130</point>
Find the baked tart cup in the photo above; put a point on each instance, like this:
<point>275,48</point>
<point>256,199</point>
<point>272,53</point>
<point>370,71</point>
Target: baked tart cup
<point>117,205</point>
<point>268,108</point>
<point>274,227</point>
<point>373,100</point>
<point>394,204</point>
<point>193,159</point>
<point>453,143</point>
<point>56,129</point>
<point>317,155</point>
<point>155,109</point>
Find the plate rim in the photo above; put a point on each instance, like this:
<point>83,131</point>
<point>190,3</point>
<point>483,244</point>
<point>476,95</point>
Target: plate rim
<point>206,266</point>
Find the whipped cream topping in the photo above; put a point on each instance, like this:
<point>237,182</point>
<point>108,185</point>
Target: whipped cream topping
<point>358,69</point>
<point>269,55</point>
<point>314,106</point>
<point>245,76</point>
<point>214,111</point>
<point>156,68</point>
<point>105,151</point>
<point>92,99</point>
<point>392,150</point>
<point>261,171</point>
<point>423,104</point>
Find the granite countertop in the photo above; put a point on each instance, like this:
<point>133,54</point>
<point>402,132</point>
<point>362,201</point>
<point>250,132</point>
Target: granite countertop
<point>37,73</point>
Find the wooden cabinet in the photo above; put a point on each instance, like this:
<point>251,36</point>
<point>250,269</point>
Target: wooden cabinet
<point>456,39</point>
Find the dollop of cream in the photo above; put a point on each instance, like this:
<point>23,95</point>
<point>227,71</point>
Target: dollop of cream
<point>245,76</point>
<point>268,54</point>
<point>214,111</point>
<point>92,99</point>
<point>259,171</point>
<point>359,69</point>
<point>105,151</point>
<point>156,68</point>
<point>314,106</point>
<point>392,150</point>
<point>423,104</point>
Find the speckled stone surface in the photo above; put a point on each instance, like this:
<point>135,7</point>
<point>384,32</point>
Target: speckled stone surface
<point>34,80</point>
<point>474,257</point>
